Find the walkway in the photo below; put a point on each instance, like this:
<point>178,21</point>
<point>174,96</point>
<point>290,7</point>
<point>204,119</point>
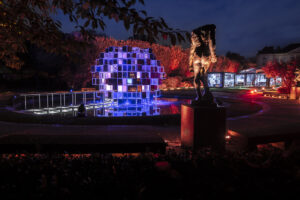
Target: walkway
<point>278,117</point>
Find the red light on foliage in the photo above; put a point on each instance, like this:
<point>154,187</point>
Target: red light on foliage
<point>162,165</point>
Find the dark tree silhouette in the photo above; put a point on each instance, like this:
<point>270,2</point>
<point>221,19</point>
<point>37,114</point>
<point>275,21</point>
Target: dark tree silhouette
<point>28,20</point>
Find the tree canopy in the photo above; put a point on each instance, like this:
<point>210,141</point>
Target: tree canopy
<point>31,20</point>
<point>235,56</point>
<point>286,71</point>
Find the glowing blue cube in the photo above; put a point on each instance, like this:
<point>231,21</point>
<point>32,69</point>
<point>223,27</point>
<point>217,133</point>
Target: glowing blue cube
<point>130,77</point>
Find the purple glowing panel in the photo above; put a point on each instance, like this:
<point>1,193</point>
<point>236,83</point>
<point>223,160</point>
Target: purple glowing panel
<point>128,76</point>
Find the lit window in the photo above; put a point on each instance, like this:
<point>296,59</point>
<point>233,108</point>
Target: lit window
<point>129,81</point>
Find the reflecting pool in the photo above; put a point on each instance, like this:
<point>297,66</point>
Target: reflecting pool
<point>163,106</point>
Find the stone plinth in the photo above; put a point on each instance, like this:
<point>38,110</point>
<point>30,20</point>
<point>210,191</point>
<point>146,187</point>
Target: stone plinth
<point>203,126</point>
<point>295,92</point>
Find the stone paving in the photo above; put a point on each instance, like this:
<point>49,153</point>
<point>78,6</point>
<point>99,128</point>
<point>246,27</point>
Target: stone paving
<point>279,116</point>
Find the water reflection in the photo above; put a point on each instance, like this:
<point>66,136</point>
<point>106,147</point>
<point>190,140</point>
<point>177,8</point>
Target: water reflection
<point>163,106</point>
<point>119,111</point>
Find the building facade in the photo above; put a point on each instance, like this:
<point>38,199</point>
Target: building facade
<point>285,56</point>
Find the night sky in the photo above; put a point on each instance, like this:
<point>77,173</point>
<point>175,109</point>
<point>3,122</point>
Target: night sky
<point>243,26</point>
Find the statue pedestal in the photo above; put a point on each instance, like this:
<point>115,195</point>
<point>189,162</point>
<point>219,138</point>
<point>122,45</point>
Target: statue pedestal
<point>295,92</point>
<point>203,126</point>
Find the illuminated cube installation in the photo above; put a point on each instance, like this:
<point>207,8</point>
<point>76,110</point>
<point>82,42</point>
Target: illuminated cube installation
<point>260,79</point>
<point>275,82</point>
<point>229,79</point>
<point>240,80</point>
<point>128,78</point>
<point>215,79</point>
<point>250,79</point>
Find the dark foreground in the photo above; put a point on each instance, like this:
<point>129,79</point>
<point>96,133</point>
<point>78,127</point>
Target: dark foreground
<point>81,140</point>
<point>266,173</point>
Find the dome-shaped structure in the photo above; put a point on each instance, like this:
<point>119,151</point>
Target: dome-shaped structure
<point>129,78</point>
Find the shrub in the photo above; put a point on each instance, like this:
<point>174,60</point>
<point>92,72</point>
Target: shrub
<point>172,82</point>
<point>283,90</point>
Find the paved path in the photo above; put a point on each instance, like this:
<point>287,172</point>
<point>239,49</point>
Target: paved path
<point>278,117</point>
<point>53,138</point>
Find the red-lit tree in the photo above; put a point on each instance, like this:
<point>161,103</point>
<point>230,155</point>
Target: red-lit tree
<point>224,64</point>
<point>174,59</point>
<point>286,71</point>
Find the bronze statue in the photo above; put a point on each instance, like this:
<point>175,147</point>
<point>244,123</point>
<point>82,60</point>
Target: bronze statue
<point>202,54</point>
